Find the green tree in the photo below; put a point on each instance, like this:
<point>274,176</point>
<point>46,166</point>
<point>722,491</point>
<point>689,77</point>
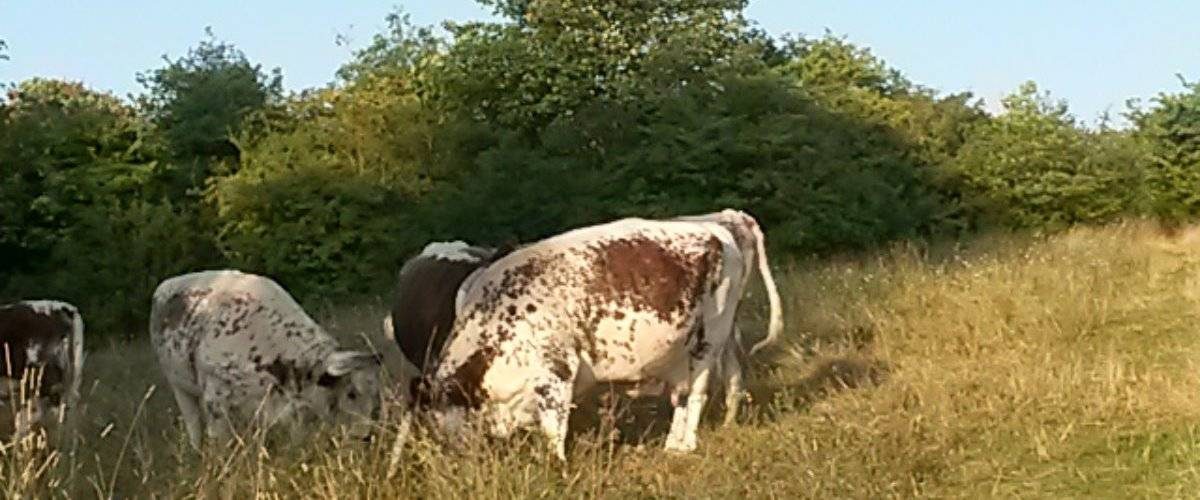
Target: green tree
<point>915,124</point>
<point>1171,132</point>
<point>831,63</point>
<point>1034,166</point>
<point>326,182</point>
<point>81,210</point>
<point>554,57</point>
<point>199,102</point>
<point>62,147</point>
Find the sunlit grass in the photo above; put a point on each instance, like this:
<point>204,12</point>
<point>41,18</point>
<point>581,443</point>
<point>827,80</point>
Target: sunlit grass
<point>1015,366</point>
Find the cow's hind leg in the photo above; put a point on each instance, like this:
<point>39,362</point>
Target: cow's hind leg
<point>705,354</point>
<point>189,409</point>
<point>686,419</point>
<point>731,370</point>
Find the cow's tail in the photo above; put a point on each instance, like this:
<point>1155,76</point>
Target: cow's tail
<point>775,326</point>
<point>76,358</point>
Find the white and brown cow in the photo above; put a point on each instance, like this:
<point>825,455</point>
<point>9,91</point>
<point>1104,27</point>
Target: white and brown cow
<point>41,344</point>
<point>633,301</point>
<point>427,287</point>
<point>236,348</point>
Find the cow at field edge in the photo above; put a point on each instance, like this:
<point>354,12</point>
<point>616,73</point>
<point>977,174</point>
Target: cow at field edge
<point>236,348</point>
<point>423,305</point>
<point>632,301</point>
<point>41,344</point>
<point>752,245</point>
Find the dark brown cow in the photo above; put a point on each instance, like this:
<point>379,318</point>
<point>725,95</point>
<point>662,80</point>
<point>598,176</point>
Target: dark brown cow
<point>423,306</point>
<point>41,344</point>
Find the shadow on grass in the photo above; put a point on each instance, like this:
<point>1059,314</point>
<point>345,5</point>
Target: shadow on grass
<point>645,421</point>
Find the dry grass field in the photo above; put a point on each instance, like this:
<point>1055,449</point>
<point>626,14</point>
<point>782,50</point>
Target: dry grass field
<point>1015,366</point>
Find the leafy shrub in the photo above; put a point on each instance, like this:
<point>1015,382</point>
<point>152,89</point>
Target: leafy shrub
<point>110,261</point>
<point>320,203</point>
<point>1034,167</point>
<point>54,137</point>
<point>1171,133</point>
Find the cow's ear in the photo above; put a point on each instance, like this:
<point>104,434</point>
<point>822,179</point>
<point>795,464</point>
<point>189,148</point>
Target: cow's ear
<point>343,362</point>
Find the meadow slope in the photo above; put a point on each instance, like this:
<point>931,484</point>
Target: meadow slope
<point>1056,367</point>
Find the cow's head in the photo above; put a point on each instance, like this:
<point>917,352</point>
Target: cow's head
<point>447,420</point>
<point>347,391</point>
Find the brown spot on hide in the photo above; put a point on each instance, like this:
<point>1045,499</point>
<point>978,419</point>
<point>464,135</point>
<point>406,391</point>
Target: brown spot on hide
<point>286,373</point>
<point>327,380</point>
<point>559,368</point>
<point>649,275</point>
<point>465,386</point>
<point>179,306</point>
<point>699,345</point>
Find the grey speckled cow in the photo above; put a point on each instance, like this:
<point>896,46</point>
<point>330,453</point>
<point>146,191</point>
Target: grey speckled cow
<point>237,349</point>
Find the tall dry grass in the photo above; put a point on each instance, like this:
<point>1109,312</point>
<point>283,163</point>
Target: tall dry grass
<point>1059,367</point>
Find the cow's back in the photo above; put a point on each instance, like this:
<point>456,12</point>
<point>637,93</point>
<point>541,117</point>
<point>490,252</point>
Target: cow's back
<point>621,294</point>
<point>232,325</point>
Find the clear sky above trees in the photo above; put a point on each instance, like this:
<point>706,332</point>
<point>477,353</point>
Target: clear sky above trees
<point>1095,57</point>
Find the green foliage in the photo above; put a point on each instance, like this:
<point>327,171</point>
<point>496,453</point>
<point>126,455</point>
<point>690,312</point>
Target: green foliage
<point>62,147</point>
<point>79,212</point>
<point>403,51</point>
<point>1171,133</point>
<point>822,181</point>
<point>912,124</point>
<point>319,202</point>
<point>199,102</point>
<point>1034,167</point>
<point>830,64</point>
<point>558,56</point>
<point>109,262</point>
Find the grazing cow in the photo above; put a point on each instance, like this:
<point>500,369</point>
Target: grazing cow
<point>235,347</point>
<point>41,342</point>
<point>424,302</point>
<point>633,301</point>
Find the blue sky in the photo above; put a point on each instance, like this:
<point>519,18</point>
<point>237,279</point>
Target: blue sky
<point>1094,54</point>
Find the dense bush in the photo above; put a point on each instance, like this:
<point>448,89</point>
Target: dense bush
<point>321,206</point>
<point>1171,133</point>
<point>1034,167</point>
<point>56,139</point>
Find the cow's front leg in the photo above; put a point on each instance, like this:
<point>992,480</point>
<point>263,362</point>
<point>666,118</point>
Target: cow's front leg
<point>553,400</point>
<point>189,409</point>
<point>217,414</point>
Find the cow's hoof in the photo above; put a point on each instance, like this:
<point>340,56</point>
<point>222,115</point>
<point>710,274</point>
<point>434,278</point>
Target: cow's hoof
<point>680,448</point>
